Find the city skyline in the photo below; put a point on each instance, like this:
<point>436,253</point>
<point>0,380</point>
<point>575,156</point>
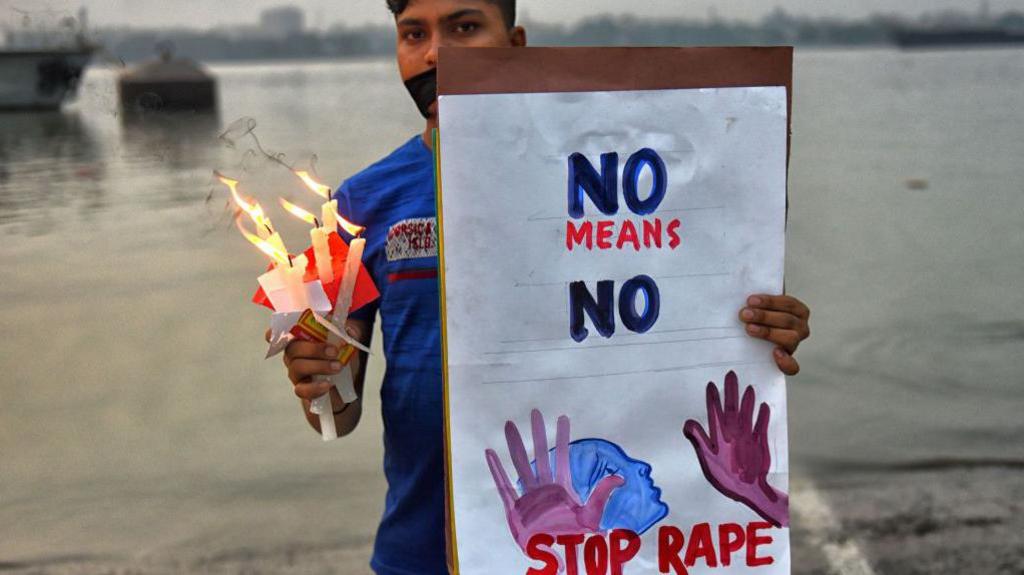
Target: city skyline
<point>324,13</point>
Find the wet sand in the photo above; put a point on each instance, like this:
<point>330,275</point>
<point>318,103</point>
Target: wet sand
<point>325,526</point>
<point>926,521</point>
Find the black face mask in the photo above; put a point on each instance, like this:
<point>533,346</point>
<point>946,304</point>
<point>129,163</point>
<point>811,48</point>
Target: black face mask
<point>423,89</point>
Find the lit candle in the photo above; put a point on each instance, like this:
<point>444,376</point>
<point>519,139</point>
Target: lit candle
<point>344,381</point>
<point>294,283</point>
<point>348,281</point>
<point>319,238</point>
<point>322,251</point>
<point>330,218</point>
<point>329,215</point>
<point>346,388</point>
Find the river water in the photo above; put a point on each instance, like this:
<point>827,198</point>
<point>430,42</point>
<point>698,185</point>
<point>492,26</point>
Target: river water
<point>139,419</point>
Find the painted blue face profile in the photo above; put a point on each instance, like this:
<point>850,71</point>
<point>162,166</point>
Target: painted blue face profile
<point>636,505</point>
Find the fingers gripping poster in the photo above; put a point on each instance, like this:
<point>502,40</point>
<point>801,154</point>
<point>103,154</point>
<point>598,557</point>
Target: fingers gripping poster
<point>606,412</point>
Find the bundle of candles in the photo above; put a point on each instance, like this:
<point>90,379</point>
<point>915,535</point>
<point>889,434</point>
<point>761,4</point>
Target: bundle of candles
<point>313,293</point>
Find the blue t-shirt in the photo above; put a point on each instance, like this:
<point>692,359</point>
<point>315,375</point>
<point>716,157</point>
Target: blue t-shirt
<point>395,200</point>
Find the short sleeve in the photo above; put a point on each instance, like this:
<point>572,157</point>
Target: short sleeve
<point>343,194</point>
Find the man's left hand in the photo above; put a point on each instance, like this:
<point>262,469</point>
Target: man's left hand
<point>782,320</point>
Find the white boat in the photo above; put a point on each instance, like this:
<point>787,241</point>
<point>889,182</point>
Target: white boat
<point>40,80</point>
<point>41,69</point>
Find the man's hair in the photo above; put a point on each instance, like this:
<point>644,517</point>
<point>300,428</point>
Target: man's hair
<point>508,9</point>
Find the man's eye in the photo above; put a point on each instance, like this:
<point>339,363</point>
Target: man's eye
<point>414,35</point>
<point>467,27</point>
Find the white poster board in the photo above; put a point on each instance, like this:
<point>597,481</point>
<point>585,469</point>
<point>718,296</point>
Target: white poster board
<point>591,314</point>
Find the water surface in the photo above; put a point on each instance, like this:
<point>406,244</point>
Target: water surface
<point>139,418</point>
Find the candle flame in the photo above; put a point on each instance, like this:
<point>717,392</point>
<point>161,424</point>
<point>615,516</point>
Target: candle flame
<point>325,193</point>
<point>298,212</point>
<point>264,246</point>
<point>252,209</point>
<point>350,228</point>
<point>315,186</point>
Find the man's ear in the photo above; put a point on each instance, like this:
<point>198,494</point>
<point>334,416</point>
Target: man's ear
<point>517,36</point>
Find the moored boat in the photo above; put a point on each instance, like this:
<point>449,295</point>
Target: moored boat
<point>41,69</point>
<point>40,79</point>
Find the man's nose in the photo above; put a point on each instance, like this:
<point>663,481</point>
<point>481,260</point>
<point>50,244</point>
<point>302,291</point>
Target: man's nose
<point>436,42</point>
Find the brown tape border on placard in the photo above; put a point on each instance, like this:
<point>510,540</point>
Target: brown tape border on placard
<point>520,70</point>
<point>463,71</point>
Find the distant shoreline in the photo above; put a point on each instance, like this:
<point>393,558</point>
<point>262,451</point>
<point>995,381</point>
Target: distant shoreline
<point>384,57</point>
<point>778,27</point>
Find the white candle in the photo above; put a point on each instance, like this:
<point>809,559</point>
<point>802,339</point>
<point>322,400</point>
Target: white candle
<point>329,217</point>
<point>294,283</point>
<point>348,285</point>
<point>322,407</point>
<point>344,380</point>
<point>348,281</point>
<point>322,251</point>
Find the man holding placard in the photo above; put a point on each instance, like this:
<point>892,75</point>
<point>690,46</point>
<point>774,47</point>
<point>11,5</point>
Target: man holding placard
<point>395,200</point>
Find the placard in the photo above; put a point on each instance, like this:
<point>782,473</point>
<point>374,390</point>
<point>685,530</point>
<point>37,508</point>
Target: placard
<point>604,214</point>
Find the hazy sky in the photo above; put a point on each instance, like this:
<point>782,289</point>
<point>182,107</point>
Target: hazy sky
<point>150,13</point>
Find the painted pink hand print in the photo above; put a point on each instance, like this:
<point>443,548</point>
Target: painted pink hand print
<point>548,503</point>
<point>735,458</point>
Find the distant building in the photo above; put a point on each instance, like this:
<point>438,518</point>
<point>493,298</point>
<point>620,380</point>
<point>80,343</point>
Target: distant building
<point>283,21</point>
<point>58,32</point>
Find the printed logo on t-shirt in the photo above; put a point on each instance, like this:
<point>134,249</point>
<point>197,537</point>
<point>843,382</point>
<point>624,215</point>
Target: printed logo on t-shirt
<point>412,238</point>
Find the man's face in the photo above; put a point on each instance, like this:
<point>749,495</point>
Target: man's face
<point>426,25</point>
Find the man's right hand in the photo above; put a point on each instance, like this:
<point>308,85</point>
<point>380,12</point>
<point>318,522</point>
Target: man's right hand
<point>308,362</point>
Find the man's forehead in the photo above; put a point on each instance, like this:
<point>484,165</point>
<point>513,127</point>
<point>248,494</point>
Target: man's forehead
<point>457,4</point>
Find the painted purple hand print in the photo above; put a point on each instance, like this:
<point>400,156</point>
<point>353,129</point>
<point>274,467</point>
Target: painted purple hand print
<point>735,458</point>
<point>548,504</point>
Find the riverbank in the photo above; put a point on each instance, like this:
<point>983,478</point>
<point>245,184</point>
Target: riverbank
<point>935,522</point>
<point>927,521</point>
